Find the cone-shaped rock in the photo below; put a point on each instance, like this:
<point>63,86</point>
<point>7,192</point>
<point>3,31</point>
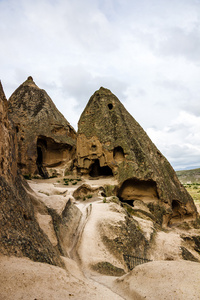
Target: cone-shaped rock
<point>45,138</point>
<point>111,142</point>
<point>20,234</point>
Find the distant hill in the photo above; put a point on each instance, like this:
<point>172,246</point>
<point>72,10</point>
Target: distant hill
<point>189,176</point>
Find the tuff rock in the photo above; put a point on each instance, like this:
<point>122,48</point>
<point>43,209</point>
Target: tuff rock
<point>110,142</point>
<point>20,234</point>
<point>45,137</point>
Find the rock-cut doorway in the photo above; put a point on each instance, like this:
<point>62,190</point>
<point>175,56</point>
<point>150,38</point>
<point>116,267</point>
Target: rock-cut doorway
<point>96,170</point>
<point>40,163</point>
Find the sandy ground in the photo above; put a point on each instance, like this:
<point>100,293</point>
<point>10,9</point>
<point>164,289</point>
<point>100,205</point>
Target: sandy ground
<point>21,278</point>
<point>162,280</point>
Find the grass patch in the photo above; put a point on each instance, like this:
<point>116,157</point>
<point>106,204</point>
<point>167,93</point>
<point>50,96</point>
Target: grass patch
<point>194,191</point>
<point>71,181</point>
<point>107,268</point>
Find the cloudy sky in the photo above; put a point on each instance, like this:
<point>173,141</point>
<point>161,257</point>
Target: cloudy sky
<point>146,52</point>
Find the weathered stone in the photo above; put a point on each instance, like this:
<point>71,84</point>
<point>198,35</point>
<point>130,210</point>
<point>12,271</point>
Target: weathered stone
<point>129,240</point>
<point>20,234</point>
<point>187,255</point>
<point>107,268</point>
<point>86,190</point>
<point>8,143</point>
<point>65,226</point>
<point>45,138</point>
<point>111,142</point>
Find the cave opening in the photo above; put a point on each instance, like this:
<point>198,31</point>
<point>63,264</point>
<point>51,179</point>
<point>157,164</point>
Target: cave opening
<point>135,189</point>
<point>179,213</point>
<point>175,206</point>
<point>118,153</point>
<point>176,209</point>
<point>96,170</point>
<point>40,158</point>
<point>110,106</point>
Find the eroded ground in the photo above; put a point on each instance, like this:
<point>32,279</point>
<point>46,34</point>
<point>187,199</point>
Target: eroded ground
<point>92,233</point>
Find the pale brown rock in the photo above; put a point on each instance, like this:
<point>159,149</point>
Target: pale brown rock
<point>45,138</point>
<point>111,143</point>
<point>86,191</point>
<point>161,280</point>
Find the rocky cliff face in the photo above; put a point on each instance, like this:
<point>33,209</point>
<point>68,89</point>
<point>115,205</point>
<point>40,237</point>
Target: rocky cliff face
<point>45,138</point>
<point>111,142</point>
<point>20,234</point>
<point>8,165</point>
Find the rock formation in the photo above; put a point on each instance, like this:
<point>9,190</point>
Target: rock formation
<point>20,234</point>
<point>45,138</point>
<point>8,166</point>
<point>110,142</point>
<point>97,232</point>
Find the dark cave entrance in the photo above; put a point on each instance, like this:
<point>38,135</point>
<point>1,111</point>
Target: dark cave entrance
<point>39,156</point>
<point>176,209</point>
<point>41,144</point>
<point>175,206</point>
<point>96,170</point>
<point>110,106</point>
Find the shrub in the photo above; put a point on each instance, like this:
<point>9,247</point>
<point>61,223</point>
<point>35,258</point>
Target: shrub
<point>27,176</point>
<point>53,176</point>
<point>109,190</point>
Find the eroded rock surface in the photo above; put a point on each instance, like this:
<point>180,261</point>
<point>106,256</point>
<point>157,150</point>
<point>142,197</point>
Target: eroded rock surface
<point>111,143</point>
<point>8,144</point>
<point>20,234</point>
<point>45,138</point>
<point>86,191</point>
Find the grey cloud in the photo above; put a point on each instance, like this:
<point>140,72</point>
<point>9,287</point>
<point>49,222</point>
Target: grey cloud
<point>179,42</point>
<point>182,156</point>
<point>79,83</point>
<point>175,85</point>
<point>193,105</point>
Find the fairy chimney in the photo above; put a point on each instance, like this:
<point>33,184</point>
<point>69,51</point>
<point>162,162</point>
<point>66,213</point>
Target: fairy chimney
<point>45,137</point>
<point>111,143</point>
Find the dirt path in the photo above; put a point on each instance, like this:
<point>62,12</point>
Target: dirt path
<point>86,211</point>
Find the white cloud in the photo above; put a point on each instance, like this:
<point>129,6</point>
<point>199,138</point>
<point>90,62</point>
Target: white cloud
<point>179,141</point>
<point>146,52</point>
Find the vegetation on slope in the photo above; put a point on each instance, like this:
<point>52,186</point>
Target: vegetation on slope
<point>189,176</point>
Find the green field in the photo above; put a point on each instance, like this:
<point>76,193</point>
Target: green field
<point>191,181</point>
<point>189,176</point>
<point>194,190</point>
